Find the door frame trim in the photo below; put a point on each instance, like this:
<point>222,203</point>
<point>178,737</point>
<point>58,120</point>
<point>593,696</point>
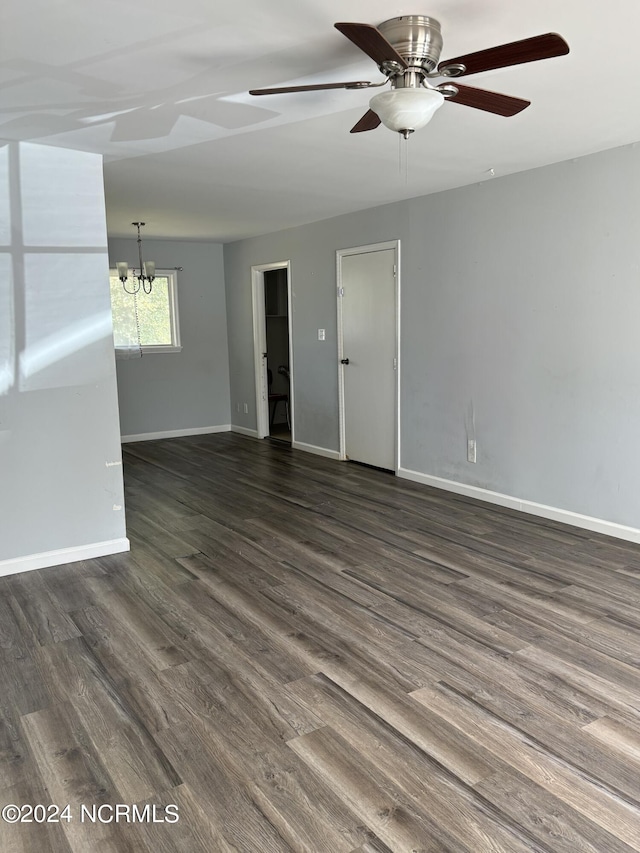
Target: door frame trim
<point>260,345</point>
<point>363,250</point>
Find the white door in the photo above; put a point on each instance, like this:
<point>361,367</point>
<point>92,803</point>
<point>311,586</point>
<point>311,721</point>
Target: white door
<point>368,302</point>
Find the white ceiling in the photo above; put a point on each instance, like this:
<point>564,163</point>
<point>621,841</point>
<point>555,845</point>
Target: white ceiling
<point>160,88</point>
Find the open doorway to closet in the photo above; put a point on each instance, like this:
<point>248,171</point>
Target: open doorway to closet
<point>272,346</point>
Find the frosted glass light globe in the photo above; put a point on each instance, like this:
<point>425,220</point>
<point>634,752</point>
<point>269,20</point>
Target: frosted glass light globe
<point>406,109</point>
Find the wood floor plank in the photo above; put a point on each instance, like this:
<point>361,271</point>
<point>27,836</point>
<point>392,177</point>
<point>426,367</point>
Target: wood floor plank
<point>303,812</point>
<point>425,616</point>
<point>378,802</point>
<point>532,759</point>
<point>127,666</point>
<point>208,624</point>
<point>30,837</point>
<point>522,601</point>
<point>470,819</point>
<point>400,588</point>
<point>607,693</point>
<point>618,735</point>
<point>601,603</point>
<point>216,781</point>
<point>480,564</point>
<point>195,832</point>
<point>547,818</point>
<point>126,747</point>
<point>564,742</point>
<point>271,705</point>
<point>122,615</point>
<point>19,667</point>
<point>73,773</point>
<point>375,846</point>
<point>318,573</point>
<point>619,643</point>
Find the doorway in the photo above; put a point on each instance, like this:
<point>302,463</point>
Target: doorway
<point>273,352</point>
<point>368,354</point>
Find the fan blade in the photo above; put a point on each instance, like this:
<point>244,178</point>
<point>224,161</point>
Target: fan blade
<point>356,84</point>
<point>490,102</point>
<point>514,53</point>
<point>369,121</point>
<point>372,42</point>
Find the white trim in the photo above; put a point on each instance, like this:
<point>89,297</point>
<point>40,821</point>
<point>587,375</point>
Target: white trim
<point>174,433</point>
<point>62,556</point>
<point>342,441</point>
<point>245,431</point>
<point>398,358</point>
<point>292,408</point>
<point>312,448</point>
<point>153,349</point>
<point>174,316</point>
<point>260,344</point>
<point>370,247</point>
<point>587,522</point>
<point>259,347</point>
<point>362,250</point>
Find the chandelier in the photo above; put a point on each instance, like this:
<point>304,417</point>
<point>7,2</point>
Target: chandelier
<point>144,279</point>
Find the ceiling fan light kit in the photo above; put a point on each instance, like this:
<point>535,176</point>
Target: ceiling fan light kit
<point>406,110</point>
<point>407,51</point>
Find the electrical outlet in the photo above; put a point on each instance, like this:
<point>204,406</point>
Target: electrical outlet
<point>321,334</point>
<point>246,408</point>
<point>471,450</point>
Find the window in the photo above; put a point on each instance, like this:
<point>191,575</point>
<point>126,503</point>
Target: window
<point>155,314</point>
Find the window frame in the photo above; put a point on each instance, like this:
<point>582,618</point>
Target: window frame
<point>174,315</point>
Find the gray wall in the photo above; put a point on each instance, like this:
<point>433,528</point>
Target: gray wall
<point>520,307</point>
<point>60,461</point>
<point>177,391</point>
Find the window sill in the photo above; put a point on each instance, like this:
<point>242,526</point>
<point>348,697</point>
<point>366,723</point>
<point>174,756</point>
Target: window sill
<point>146,350</point>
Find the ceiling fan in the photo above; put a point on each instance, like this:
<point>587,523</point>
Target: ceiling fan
<point>407,52</point>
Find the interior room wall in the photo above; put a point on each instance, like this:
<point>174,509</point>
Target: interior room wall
<point>520,299</point>
<point>311,250</point>
<point>178,392</point>
<point>61,491</point>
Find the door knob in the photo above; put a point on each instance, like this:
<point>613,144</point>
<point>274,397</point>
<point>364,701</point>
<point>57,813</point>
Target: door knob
<point>344,361</point>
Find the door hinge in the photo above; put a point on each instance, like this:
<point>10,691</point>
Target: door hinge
<point>341,291</point>
<point>395,363</point>
<point>395,271</point>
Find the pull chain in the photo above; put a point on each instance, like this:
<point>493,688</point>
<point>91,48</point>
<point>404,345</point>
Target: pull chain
<point>403,157</point>
<point>406,161</point>
<point>135,310</point>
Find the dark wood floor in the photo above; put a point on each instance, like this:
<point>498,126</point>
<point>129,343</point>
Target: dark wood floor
<point>307,655</point>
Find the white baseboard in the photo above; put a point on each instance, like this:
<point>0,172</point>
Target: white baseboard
<point>63,555</point>
<point>586,522</point>
<point>319,451</point>
<point>174,433</point>
<point>244,430</point>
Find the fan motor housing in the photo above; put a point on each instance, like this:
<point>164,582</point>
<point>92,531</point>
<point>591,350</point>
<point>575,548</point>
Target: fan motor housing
<point>417,38</point>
